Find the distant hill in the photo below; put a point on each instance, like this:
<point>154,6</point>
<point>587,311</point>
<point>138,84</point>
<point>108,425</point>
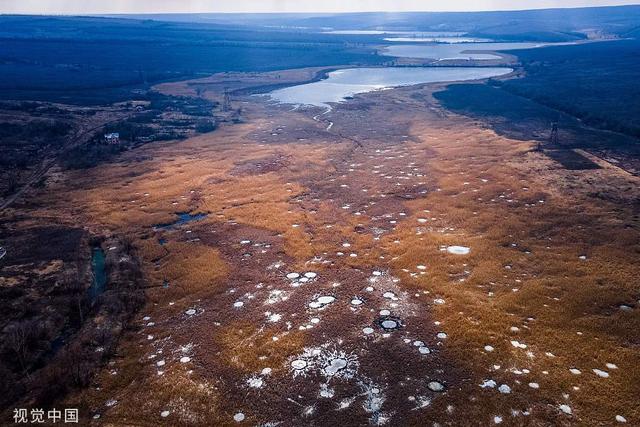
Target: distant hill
<point>545,24</point>
<point>92,60</point>
<point>585,88</point>
<point>595,82</point>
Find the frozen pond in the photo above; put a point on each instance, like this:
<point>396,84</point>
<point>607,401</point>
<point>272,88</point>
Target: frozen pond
<point>183,218</point>
<point>436,39</point>
<point>414,36</point>
<point>347,82</point>
<point>455,50</point>
<point>392,32</point>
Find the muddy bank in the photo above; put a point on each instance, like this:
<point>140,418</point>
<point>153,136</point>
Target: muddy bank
<point>256,90</point>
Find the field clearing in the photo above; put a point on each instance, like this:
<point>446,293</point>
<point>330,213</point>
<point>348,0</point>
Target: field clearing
<point>409,266</point>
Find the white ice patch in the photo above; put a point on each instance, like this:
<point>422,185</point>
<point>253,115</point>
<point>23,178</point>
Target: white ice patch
<point>504,389</point>
<point>373,401</point>
<point>273,317</point>
<point>600,373</point>
<point>326,392</point>
<point>424,350</point>
<point>346,402</point>
<point>276,296</point>
<point>566,409</point>
<point>335,365</point>
<point>390,295</point>
<point>488,384</point>
<point>322,301</point>
<point>421,401</point>
<point>255,382</point>
<point>389,324</point>
<point>435,386</point>
<point>518,344</point>
<point>458,250</point>
<point>299,364</point>
<point>326,360</point>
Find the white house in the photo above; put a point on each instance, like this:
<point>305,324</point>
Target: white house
<point>112,138</point>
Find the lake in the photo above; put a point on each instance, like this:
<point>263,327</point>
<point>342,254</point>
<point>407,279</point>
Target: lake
<point>404,33</point>
<point>344,83</point>
<point>435,39</point>
<point>455,50</point>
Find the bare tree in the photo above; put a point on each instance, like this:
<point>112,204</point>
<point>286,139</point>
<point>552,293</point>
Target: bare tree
<point>18,338</point>
<point>72,280</point>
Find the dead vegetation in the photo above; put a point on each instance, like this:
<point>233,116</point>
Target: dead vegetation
<point>541,291</point>
<point>55,335</point>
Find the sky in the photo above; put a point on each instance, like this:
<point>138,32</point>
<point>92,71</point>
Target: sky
<point>310,6</point>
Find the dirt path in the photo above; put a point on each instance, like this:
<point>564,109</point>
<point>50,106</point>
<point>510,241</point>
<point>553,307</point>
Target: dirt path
<point>80,137</point>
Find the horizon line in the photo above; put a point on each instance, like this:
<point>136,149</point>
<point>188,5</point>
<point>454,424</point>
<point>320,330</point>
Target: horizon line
<point>103,14</point>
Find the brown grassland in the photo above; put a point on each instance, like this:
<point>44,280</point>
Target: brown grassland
<point>552,267</point>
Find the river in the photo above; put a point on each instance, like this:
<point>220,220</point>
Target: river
<point>344,83</point>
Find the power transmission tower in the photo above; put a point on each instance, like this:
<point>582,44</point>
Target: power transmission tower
<point>226,103</point>
<point>539,146</point>
<point>554,134</point>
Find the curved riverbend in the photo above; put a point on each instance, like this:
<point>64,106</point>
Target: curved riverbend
<point>347,82</point>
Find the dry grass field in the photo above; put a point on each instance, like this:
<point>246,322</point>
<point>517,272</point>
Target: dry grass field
<point>444,275</point>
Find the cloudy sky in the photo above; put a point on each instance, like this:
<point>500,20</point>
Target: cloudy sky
<point>179,6</point>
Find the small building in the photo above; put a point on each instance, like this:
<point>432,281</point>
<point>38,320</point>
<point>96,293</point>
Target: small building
<point>112,138</point>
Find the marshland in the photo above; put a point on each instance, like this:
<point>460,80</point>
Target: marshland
<point>296,228</point>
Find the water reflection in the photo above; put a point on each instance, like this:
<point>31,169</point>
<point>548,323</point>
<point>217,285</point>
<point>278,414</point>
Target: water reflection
<point>344,83</point>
